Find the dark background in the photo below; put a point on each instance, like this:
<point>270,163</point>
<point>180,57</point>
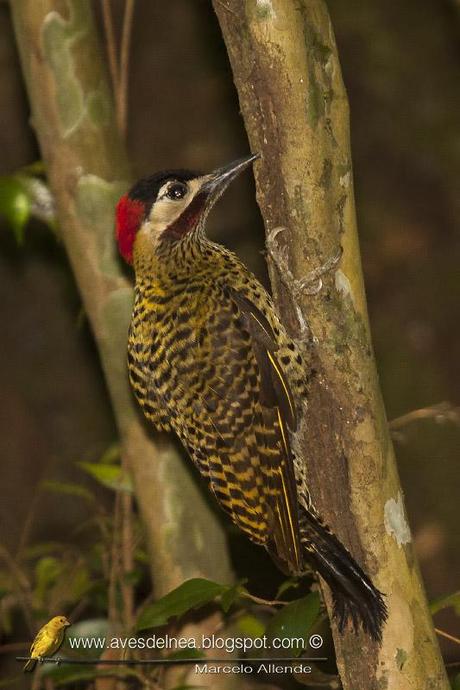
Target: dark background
<point>401,69</point>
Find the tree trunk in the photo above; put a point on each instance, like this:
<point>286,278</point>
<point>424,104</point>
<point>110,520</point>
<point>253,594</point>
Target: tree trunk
<point>294,105</point>
<point>73,116</point>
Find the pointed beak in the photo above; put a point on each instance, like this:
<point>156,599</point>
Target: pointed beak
<point>219,180</point>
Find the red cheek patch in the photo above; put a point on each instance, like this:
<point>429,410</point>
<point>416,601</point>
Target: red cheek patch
<point>129,216</point>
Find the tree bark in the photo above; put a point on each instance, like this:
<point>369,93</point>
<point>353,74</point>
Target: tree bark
<point>73,116</point>
<point>295,109</point>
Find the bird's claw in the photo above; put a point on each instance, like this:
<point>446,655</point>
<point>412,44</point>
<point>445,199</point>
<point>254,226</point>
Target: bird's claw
<point>310,284</point>
<point>307,284</point>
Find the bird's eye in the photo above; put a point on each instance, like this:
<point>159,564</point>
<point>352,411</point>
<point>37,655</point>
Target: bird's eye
<point>176,191</point>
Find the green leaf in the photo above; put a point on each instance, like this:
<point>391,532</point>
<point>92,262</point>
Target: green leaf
<point>110,476</point>
<point>34,169</point>
<point>141,556</point>
<point>64,674</point>
<point>42,549</point>
<point>69,674</point>
<point>111,454</point>
<point>15,682</point>
<point>456,682</point>
<point>232,594</point>
<point>250,625</point>
<point>295,621</point>
<point>285,586</point>
<point>190,595</point>
<point>67,488</point>
<point>445,602</point>
<point>14,205</point>
<point>47,571</point>
<point>189,653</point>
<point>80,582</point>
<point>6,619</point>
<point>133,577</point>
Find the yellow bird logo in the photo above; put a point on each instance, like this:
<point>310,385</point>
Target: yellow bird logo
<point>47,641</point>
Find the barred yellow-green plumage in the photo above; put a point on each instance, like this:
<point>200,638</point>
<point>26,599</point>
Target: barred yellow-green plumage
<point>209,358</point>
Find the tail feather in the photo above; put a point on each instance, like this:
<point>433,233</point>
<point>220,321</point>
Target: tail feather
<point>354,596</point>
<point>30,665</point>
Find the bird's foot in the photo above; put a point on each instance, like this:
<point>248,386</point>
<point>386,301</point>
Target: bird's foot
<point>310,284</point>
<point>279,256</point>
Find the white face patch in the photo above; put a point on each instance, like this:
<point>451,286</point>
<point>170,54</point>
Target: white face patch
<point>172,200</point>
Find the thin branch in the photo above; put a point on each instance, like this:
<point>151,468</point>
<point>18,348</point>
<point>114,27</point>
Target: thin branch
<point>36,681</point>
<point>122,95</point>
<point>30,520</point>
<point>111,44</point>
<point>442,412</point>
<point>127,559</point>
<point>31,516</point>
<point>224,623</point>
<point>23,586</point>
<point>442,633</point>
<point>76,612</point>
<point>114,566</point>
<point>265,602</point>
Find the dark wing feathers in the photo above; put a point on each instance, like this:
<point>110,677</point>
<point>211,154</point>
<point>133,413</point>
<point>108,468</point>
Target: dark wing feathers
<point>279,412</point>
<point>247,404</point>
<point>275,386</point>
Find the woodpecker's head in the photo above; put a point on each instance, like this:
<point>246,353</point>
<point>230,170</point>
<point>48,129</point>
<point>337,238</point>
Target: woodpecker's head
<point>166,207</point>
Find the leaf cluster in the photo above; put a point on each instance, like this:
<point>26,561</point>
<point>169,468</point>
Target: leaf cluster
<point>25,195</point>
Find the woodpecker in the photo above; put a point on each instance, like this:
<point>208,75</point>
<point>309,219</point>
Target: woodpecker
<point>209,359</point>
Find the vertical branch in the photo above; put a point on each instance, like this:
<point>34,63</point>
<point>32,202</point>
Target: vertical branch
<point>111,42</point>
<point>119,64</point>
<point>21,585</point>
<point>74,118</point>
<point>122,99</point>
<point>115,573</point>
<point>293,101</point>
<point>127,558</point>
